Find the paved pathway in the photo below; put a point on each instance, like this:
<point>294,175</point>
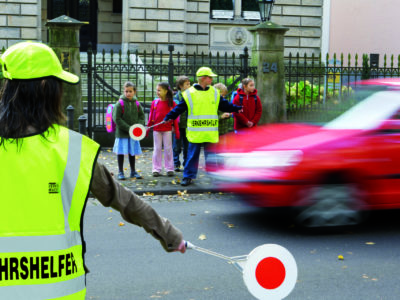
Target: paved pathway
<point>162,185</point>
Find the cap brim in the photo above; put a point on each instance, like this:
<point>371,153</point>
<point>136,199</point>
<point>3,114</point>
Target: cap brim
<point>208,75</point>
<point>68,77</point>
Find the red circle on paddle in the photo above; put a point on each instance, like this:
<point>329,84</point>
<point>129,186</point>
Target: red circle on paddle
<point>137,132</point>
<point>270,273</point>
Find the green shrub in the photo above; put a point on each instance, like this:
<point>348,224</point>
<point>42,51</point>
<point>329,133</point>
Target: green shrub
<point>305,94</point>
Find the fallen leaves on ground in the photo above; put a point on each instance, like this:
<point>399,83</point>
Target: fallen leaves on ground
<point>160,294</point>
<point>121,224</point>
<point>340,257</point>
<point>369,243</point>
<point>182,194</point>
<point>230,225</point>
<point>148,194</point>
<point>202,237</point>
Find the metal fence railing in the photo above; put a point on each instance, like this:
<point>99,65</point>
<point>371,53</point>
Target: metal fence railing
<point>319,91</point>
<point>103,75</point>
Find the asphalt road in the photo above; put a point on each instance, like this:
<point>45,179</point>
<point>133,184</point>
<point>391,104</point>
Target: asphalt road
<point>127,263</point>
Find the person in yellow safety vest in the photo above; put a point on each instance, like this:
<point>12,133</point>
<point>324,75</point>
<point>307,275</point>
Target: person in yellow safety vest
<point>45,177</point>
<point>202,102</point>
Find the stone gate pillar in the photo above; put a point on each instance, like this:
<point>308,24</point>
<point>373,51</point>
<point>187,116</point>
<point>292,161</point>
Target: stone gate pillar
<point>64,40</point>
<point>268,56</point>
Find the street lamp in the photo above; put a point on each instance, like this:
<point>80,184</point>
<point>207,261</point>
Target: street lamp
<point>265,7</point>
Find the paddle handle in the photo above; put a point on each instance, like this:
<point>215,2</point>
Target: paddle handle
<point>148,127</point>
<point>189,245</point>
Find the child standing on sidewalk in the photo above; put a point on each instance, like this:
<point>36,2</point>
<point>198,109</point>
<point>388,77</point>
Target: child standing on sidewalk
<point>181,145</point>
<point>252,108</point>
<point>223,117</point>
<point>162,134</point>
<point>124,117</point>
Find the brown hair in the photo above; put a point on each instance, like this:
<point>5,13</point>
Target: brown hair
<point>246,81</point>
<point>130,84</point>
<point>29,103</point>
<point>180,81</point>
<point>170,93</point>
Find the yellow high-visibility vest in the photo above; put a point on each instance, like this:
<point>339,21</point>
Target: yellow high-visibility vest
<point>202,122</point>
<point>44,185</point>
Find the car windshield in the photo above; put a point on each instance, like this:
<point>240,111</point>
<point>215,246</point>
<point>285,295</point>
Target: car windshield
<point>369,113</point>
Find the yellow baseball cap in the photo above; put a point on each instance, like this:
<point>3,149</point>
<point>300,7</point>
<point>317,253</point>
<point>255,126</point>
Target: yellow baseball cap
<point>29,60</point>
<point>205,71</point>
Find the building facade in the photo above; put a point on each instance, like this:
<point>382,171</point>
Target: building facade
<point>373,31</point>
<point>151,25</point>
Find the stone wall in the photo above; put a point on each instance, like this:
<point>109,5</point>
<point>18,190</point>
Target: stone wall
<point>109,27</point>
<point>197,26</point>
<point>19,20</point>
<point>153,24</point>
<point>302,17</point>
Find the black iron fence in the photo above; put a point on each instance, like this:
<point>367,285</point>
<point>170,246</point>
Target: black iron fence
<point>319,91</point>
<point>103,75</point>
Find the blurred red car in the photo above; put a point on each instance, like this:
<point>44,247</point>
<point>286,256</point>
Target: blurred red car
<point>330,174</point>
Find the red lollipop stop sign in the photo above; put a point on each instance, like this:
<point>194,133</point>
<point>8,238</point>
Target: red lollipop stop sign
<point>270,272</point>
<point>137,132</point>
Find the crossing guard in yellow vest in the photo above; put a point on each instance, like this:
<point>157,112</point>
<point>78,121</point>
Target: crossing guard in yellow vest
<point>202,102</point>
<point>45,177</point>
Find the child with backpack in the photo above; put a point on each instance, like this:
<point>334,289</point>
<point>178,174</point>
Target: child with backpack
<point>127,112</point>
<point>181,145</point>
<point>162,134</point>
<point>252,108</point>
<point>223,117</point>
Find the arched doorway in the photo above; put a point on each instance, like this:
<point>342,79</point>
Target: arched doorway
<point>82,10</point>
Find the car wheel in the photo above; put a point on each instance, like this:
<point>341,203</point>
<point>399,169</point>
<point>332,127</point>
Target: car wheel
<point>329,205</point>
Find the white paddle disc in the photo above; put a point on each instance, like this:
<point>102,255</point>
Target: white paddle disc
<point>270,272</point>
<point>137,132</point>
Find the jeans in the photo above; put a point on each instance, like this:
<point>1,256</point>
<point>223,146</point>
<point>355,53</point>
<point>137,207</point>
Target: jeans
<point>178,146</point>
<point>192,163</point>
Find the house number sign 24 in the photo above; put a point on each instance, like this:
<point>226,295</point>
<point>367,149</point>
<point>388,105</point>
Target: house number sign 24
<point>270,67</point>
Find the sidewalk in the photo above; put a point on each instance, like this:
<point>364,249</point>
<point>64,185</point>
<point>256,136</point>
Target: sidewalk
<point>162,185</point>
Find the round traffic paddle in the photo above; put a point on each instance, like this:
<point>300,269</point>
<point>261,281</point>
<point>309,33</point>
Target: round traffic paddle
<point>138,132</point>
<point>269,271</point>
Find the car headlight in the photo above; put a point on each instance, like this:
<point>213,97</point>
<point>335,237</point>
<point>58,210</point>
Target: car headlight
<point>262,159</point>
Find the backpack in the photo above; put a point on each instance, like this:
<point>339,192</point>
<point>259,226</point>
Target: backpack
<point>110,124</point>
<point>241,99</point>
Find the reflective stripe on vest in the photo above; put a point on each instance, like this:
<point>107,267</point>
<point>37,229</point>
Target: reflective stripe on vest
<point>41,254</point>
<point>201,125</point>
